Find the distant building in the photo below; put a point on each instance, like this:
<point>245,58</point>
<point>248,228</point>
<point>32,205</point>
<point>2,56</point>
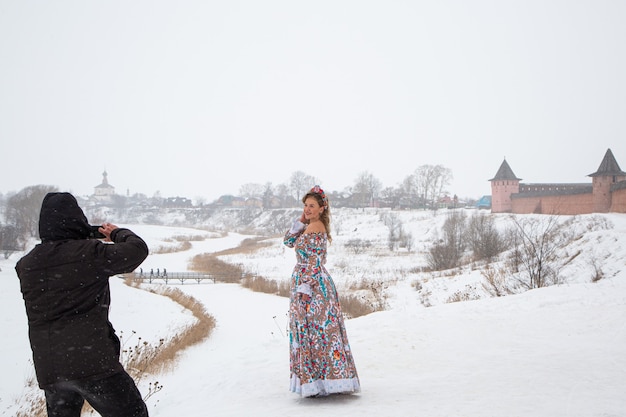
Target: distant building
<point>254,202</point>
<point>606,192</point>
<point>104,191</point>
<point>177,202</point>
<point>230,201</point>
<point>484,202</point>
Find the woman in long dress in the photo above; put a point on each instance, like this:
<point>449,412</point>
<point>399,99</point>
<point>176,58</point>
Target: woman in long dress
<point>320,359</point>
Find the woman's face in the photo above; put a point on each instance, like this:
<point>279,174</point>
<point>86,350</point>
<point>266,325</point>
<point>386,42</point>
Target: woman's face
<point>312,209</point>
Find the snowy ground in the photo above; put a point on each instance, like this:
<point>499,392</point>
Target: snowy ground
<point>556,351</point>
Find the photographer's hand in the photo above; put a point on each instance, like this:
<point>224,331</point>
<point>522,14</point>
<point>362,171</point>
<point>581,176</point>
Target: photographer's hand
<point>106,230</point>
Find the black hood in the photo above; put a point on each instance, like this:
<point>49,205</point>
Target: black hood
<point>61,218</point>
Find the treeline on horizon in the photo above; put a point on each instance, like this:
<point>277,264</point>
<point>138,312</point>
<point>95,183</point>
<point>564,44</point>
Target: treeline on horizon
<point>425,187</point>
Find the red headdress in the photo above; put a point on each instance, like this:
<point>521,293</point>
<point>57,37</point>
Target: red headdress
<point>318,190</point>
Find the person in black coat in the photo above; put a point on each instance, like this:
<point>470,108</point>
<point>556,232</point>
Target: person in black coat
<point>65,285</point>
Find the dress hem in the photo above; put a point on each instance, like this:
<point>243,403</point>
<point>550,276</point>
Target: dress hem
<point>324,387</point>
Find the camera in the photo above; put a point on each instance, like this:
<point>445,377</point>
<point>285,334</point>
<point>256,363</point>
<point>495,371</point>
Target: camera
<point>95,233</point>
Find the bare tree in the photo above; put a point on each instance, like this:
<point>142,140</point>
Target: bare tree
<point>22,210</point>
<point>411,194</point>
<point>454,232</point>
<point>442,180</point>
<point>9,240</point>
<point>495,281</point>
<point>430,181</point>
<point>268,195</point>
<point>300,183</point>
<point>540,240</point>
<point>484,239</point>
<point>358,245</point>
<point>3,203</point>
<point>119,202</point>
<point>392,196</point>
<point>441,256</point>
<point>407,187</point>
<point>367,187</point>
<point>283,193</point>
<point>448,251</point>
<point>251,190</point>
<point>394,224</point>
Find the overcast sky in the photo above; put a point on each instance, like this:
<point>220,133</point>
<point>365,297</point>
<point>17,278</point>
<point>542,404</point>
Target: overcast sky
<point>195,98</point>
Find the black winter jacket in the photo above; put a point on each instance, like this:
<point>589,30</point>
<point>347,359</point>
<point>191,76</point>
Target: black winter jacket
<point>65,285</point>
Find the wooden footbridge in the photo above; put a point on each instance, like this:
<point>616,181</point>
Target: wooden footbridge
<point>173,277</point>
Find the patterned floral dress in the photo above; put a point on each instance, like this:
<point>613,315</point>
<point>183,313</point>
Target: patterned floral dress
<point>320,359</point>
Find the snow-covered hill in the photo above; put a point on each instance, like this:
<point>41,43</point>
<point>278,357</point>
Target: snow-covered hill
<point>555,351</point>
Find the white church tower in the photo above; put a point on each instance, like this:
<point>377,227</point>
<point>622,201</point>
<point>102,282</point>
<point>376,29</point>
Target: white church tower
<point>104,191</point>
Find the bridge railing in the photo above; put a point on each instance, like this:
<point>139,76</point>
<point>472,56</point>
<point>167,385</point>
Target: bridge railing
<point>173,277</point>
